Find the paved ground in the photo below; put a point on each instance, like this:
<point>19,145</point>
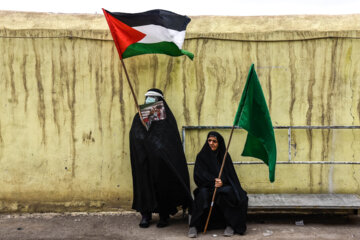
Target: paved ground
<point>124,225</point>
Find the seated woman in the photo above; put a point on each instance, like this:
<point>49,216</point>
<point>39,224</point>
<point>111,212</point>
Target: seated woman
<point>231,201</point>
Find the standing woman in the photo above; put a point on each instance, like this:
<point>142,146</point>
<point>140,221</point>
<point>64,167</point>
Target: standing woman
<point>231,201</point>
<point>160,175</point>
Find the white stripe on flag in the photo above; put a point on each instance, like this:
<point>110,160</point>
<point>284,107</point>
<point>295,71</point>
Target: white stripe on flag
<point>156,33</point>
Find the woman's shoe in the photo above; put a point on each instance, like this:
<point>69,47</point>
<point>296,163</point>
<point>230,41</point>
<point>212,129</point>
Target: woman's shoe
<point>192,232</point>
<point>164,221</point>
<point>145,221</point>
<point>228,231</point>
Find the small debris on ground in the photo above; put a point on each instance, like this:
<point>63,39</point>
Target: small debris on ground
<point>299,223</point>
<point>267,233</point>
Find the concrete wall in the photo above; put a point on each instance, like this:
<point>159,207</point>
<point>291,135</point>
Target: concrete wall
<point>66,108</point>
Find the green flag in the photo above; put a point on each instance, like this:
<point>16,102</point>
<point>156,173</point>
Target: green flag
<point>253,116</point>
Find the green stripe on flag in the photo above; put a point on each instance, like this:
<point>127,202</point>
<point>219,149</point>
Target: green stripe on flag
<point>253,116</point>
<point>168,48</point>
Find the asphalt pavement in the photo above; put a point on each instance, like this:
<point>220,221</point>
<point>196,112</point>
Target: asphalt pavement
<point>124,225</point>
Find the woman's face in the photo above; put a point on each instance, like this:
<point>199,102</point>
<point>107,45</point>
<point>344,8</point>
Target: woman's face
<point>213,143</point>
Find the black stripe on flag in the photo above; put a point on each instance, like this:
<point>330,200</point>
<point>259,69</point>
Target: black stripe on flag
<point>159,17</point>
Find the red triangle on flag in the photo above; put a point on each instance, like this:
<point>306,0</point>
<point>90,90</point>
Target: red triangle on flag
<point>122,34</point>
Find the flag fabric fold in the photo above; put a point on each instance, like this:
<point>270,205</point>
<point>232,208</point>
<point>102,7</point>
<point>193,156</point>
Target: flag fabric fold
<point>253,116</point>
<point>154,31</point>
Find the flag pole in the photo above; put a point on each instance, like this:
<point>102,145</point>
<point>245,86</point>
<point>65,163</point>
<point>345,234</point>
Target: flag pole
<point>123,64</point>
<point>221,170</point>
<point>133,93</point>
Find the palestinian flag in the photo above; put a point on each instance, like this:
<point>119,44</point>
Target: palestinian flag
<point>154,31</point>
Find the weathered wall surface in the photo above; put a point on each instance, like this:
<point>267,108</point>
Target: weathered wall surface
<point>66,108</point>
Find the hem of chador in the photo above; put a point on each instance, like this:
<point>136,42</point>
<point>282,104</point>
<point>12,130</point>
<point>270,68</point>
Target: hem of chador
<point>219,225</point>
<point>201,228</point>
<point>157,212</point>
<point>146,211</point>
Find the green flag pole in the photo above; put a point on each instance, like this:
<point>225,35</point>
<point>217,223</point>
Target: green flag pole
<point>220,172</point>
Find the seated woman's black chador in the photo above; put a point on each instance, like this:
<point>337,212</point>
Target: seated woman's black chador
<point>159,169</point>
<point>231,201</point>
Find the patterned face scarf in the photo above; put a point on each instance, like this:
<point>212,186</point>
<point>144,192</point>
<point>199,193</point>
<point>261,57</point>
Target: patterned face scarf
<point>150,99</point>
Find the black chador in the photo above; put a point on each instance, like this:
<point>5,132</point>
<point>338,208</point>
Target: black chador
<point>159,169</point>
<point>231,201</point>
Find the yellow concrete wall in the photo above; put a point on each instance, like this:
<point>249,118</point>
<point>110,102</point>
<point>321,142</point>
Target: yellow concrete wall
<point>66,108</point>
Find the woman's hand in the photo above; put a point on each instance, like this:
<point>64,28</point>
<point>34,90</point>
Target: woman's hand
<point>218,182</point>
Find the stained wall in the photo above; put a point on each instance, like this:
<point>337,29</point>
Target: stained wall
<point>66,108</point>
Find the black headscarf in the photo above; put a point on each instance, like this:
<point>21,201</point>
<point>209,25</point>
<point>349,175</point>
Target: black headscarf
<point>208,164</point>
<point>161,143</point>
